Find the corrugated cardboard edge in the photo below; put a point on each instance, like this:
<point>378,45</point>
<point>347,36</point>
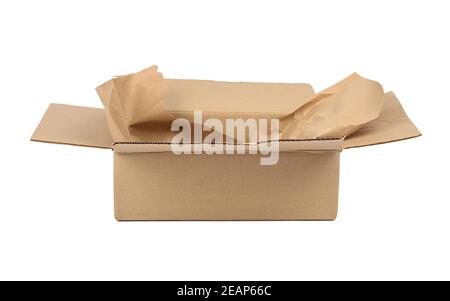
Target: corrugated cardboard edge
<point>286,145</point>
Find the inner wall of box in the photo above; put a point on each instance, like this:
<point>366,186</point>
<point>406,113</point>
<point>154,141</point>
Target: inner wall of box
<point>164,186</point>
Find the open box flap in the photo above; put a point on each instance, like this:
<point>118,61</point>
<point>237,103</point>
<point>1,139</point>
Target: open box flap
<point>392,125</point>
<point>65,124</point>
<point>74,125</point>
<point>84,126</point>
<point>222,100</point>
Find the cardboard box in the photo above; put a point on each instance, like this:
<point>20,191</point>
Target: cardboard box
<point>152,183</point>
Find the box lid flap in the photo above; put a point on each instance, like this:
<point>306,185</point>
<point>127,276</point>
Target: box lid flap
<point>74,125</point>
<point>392,125</point>
<point>84,126</point>
<point>218,99</point>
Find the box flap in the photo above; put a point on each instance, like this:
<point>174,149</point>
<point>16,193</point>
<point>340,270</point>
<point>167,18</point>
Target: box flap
<point>74,125</point>
<point>221,100</point>
<point>392,125</point>
<point>83,126</point>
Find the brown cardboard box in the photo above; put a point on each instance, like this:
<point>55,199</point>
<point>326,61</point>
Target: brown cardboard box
<point>152,183</point>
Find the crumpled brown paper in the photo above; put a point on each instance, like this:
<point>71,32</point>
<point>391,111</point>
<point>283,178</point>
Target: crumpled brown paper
<point>136,110</point>
<point>134,99</point>
<point>338,111</point>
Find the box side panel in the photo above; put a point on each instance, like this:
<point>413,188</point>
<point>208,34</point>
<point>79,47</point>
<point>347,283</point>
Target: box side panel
<point>164,186</point>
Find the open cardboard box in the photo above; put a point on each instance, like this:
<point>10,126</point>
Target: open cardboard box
<point>152,183</point>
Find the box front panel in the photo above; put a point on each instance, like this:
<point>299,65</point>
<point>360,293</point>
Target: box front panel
<point>164,186</point>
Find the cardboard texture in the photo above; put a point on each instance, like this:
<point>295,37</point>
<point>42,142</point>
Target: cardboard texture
<point>152,183</point>
<point>65,124</point>
<point>164,186</point>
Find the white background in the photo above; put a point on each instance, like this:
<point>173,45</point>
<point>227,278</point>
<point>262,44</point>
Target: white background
<point>56,202</point>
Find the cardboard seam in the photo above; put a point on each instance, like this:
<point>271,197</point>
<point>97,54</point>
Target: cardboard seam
<point>268,141</point>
